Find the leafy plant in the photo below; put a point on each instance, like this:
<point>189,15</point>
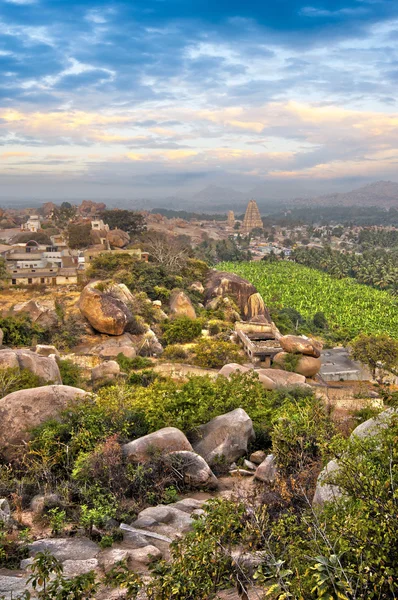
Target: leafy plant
<point>181,330</point>
<point>214,354</point>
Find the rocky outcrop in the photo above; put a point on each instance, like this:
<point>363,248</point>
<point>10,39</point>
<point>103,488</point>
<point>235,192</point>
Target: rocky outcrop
<point>118,238</point>
<point>166,440</point>
<point>300,345</point>
<point>46,350</point>
<point>42,313</point>
<point>25,409</point>
<point>45,367</point>
<point>244,293</point>
<point>306,365</point>
<point>181,305</point>
<point>266,471</point>
<point>105,306</point>
<point>195,470</point>
<point>224,436</point>
<point>109,369</point>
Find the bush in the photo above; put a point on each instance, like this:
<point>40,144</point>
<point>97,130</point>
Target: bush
<point>175,352</point>
<point>71,373</point>
<point>181,330</point>
<point>13,380</point>
<point>20,331</point>
<point>216,326</point>
<point>131,364</point>
<point>214,354</point>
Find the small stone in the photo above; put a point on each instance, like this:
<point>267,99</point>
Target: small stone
<point>266,472</point>
<point>257,457</point>
<point>5,512</point>
<point>240,473</point>
<point>249,465</point>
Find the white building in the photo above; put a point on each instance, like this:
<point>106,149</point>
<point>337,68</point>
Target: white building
<point>33,224</point>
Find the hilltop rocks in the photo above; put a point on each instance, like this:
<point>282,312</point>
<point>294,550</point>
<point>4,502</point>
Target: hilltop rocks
<point>166,440</point>
<point>118,238</point>
<point>306,365</point>
<point>181,306</point>
<point>300,345</point>
<point>45,367</point>
<point>105,306</point>
<point>225,436</point>
<point>44,314</point>
<point>22,410</point>
<point>244,293</point>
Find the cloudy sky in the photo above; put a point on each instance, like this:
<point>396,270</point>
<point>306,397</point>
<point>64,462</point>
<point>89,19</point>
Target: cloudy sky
<point>148,98</point>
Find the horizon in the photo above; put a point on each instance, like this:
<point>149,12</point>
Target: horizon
<point>108,101</point>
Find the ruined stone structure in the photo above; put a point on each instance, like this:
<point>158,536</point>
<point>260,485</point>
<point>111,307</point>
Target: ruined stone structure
<point>231,219</point>
<point>252,218</point>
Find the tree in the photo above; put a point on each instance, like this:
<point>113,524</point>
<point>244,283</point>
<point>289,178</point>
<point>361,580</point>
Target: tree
<point>38,236</point>
<point>63,215</point>
<point>167,250</point>
<point>375,350</point>
<point>79,235</point>
<point>127,220</point>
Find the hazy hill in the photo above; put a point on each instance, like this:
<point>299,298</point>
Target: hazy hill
<point>380,193</point>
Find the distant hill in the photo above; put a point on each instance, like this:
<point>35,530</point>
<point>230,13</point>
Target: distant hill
<point>215,197</point>
<point>381,194</point>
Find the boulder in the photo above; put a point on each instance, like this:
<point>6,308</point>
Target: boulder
<point>109,369</point>
<point>13,586</point>
<point>257,457</point>
<point>195,470</point>
<point>118,238</point>
<point>230,368</point>
<point>150,345</point>
<point>1,337</point>
<point>281,378</point>
<point>45,350</point>
<point>44,501</point>
<point>374,425</point>
<point>166,440</point>
<point>5,512</point>
<point>296,344</point>
<point>181,305</point>
<point>325,492</point>
<point>42,313</point>
<point>45,367</point>
<point>25,409</point>
<point>266,471</point>
<point>164,520</point>
<point>114,351</point>
<point>197,286</point>
<point>227,435</point>
<point>105,306</point>
<point>306,365</point>
<point>75,567</point>
<point>78,548</point>
<point>248,299</point>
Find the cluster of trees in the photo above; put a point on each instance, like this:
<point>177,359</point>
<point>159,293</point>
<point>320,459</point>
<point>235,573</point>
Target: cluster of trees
<point>378,238</point>
<point>213,252</point>
<point>377,268</point>
<point>324,215</point>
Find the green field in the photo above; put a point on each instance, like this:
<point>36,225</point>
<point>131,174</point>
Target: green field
<point>346,304</point>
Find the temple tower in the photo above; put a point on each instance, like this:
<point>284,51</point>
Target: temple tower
<point>252,218</point>
<point>231,219</point>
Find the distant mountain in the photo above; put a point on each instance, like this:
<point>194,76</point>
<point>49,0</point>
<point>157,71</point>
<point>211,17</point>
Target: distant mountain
<point>381,193</point>
<point>215,198</point>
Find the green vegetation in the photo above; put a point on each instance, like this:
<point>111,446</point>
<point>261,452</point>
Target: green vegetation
<point>181,330</point>
<point>71,373</point>
<point>20,331</point>
<point>376,351</point>
<point>13,380</point>
<point>127,220</point>
<point>350,308</point>
<point>214,354</point>
<point>79,235</point>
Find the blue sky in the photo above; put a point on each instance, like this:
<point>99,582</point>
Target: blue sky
<point>158,97</point>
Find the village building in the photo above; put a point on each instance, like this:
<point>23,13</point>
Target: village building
<point>33,224</point>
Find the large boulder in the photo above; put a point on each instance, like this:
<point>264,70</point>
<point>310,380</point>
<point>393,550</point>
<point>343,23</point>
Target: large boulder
<point>374,425</point>
<point>281,378</point>
<point>306,365</point>
<point>231,368</point>
<point>109,369</point>
<point>194,468</point>
<point>63,549</point>
<point>46,350</point>
<point>248,299</point>
<point>225,436</point>
<point>105,306</point>
<point>45,367</point>
<point>325,492</point>
<point>296,344</point>
<point>22,410</point>
<point>181,305</point>
<point>166,440</point>
<point>118,238</point>
<point>42,313</point>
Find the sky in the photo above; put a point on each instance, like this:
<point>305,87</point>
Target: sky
<point>154,98</point>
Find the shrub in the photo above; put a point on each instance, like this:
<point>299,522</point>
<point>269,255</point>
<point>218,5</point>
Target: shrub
<point>181,330</point>
<point>216,326</point>
<point>68,333</point>
<point>175,352</point>
<point>13,380</point>
<point>20,331</point>
<point>129,364</point>
<point>143,378</point>
<point>71,373</point>
<point>214,354</point>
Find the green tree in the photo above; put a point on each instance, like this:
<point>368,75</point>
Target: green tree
<point>127,220</point>
<point>375,350</point>
<point>79,235</point>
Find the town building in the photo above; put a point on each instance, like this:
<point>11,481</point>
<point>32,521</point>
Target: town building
<point>33,224</point>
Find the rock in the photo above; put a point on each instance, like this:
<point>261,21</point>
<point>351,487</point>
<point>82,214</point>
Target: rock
<point>249,465</point>
<point>164,520</point>
<point>281,378</point>
<point>1,337</point>
<point>325,492</point>
<point>105,306</point>
<point>257,457</point>
<point>12,587</point>
<point>181,305</point>
<point>241,473</point>
<point>197,286</point>
<point>109,557</point>
<point>109,369</point>
<point>374,425</point>
<point>229,369</point>
<point>73,567</point>
<point>306,365</point>
<point>5,512</point>
<point>248,561</point>
<point>248,299</point>
<point>41,502</point>
<point>150,345</point>
<point>227,435</point>
<point>266,471</point>
<point>300,345</point>
<point>188,505</point>
<point>118,238</point>
<point>44,350</point>
<point>166,440</point>
<point>44,367</point>
<point>196,471</point>
<point>22,410</point>
<point>42,313</point>
<point>80,548</point>
<point>114,351</point>
<point>146,555</point>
